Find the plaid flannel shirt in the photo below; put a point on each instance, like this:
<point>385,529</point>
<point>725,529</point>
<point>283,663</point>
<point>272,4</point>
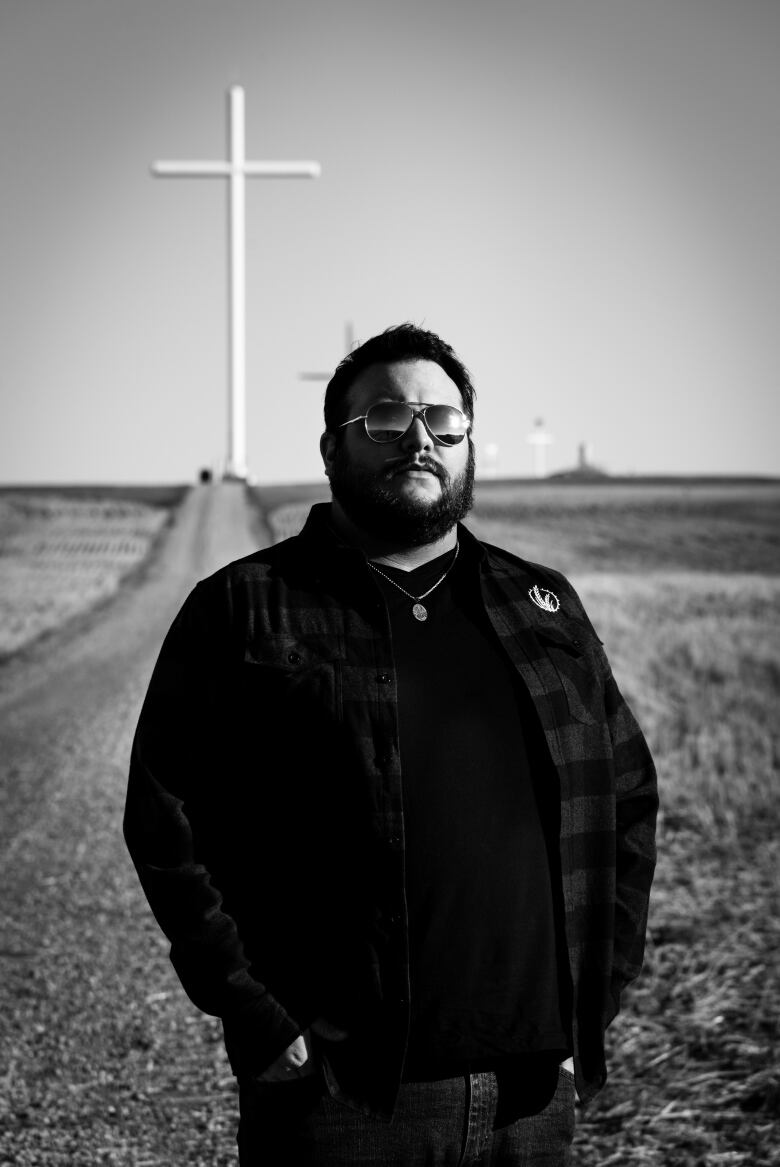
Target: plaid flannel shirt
<point>265,812</point>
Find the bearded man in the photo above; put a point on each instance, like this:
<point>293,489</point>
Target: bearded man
<point>391,809</point>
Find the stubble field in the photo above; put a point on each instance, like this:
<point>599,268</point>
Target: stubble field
<point>683,585</point>
<point>63,552</point>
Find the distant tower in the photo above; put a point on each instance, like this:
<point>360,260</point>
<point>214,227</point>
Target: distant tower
<point>584,471</point>
<point>539,439</point>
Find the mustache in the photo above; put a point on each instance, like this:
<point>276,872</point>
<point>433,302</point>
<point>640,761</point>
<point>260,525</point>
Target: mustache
<point>416,464</point>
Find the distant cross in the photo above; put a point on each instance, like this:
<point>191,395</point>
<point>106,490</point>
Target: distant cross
<point>489,467</point>
<point>349,344</point>
<point>540,440</point>
<point>236,169</point>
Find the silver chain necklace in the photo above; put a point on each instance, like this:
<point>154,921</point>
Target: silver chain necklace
<point>419,611</point>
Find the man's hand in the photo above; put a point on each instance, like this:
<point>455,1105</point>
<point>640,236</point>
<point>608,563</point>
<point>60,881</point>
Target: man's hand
<point>296,1061</point>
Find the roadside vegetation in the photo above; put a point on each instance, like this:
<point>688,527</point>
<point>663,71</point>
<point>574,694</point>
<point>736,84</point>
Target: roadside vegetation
<point>62,552</point>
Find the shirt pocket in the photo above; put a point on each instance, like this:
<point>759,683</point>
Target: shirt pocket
<point>300,674</point>
<point>576,675</point>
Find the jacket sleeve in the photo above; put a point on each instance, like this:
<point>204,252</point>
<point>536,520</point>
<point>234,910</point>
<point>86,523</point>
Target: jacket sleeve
<point>170,743</point>
<point>636,793</point>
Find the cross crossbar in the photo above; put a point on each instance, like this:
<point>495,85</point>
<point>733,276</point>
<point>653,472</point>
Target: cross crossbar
<point>236,169</point>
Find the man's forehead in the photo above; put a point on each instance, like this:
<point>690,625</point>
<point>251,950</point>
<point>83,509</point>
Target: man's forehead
<point>397,380</point>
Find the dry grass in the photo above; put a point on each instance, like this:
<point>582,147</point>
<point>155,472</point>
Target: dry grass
<point>694,1072</point>
<point>684,589</point>
<point>624,528</point>
<point>61,554</point>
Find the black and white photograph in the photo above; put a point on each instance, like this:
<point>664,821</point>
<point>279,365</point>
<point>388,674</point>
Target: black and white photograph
<point>389,583</point>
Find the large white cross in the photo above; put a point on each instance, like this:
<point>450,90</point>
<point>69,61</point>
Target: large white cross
<point>236,169</point>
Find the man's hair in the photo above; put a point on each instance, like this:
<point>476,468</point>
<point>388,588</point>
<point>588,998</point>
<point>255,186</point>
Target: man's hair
<point>403,342</point>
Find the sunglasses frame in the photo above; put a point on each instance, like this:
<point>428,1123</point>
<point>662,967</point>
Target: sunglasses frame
<point>419,409</point>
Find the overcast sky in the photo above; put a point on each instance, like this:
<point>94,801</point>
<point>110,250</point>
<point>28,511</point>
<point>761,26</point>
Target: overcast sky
<point>581,197</point>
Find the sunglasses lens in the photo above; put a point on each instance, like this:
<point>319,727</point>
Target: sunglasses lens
<point>389,421</point>
<point>448,425</point>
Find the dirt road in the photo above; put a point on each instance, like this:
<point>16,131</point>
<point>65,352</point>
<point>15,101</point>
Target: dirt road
<point>103,1059</point>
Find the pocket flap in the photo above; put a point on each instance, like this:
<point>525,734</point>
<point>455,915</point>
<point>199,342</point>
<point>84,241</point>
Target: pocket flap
<point>290,651</point>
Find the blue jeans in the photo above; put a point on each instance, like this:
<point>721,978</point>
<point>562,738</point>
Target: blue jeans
<point>437,1124</point>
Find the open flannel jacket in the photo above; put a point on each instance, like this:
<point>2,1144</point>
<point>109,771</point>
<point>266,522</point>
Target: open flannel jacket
<point>265,816</point>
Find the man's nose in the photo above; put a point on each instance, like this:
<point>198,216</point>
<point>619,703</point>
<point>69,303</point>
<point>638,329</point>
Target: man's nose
<point>417,437</point>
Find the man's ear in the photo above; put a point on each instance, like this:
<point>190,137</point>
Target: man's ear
<point>328,451</point>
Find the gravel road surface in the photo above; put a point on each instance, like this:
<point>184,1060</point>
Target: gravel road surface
<point>102,1058</point>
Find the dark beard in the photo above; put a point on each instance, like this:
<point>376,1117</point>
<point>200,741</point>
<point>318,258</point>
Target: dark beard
<point>372,506</point>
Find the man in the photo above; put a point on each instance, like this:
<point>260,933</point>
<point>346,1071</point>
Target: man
<point>391,809</point>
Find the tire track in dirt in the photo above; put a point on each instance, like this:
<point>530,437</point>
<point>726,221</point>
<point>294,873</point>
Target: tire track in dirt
<point>103,1058</point>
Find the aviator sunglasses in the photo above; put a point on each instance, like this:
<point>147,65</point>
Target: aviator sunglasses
<point>387,421</point>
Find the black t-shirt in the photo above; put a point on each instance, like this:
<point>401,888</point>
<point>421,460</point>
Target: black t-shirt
<point>481,809</point>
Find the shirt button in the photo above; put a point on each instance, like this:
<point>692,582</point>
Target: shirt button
<point>294,658</point>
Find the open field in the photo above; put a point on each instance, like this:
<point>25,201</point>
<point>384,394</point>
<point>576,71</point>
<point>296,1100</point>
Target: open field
<point>64,551</point>
<point>636,528</point>
<point>103,1060</point>
<point>683,586</point>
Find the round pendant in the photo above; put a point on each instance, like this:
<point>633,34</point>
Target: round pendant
<point>419,612</point>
